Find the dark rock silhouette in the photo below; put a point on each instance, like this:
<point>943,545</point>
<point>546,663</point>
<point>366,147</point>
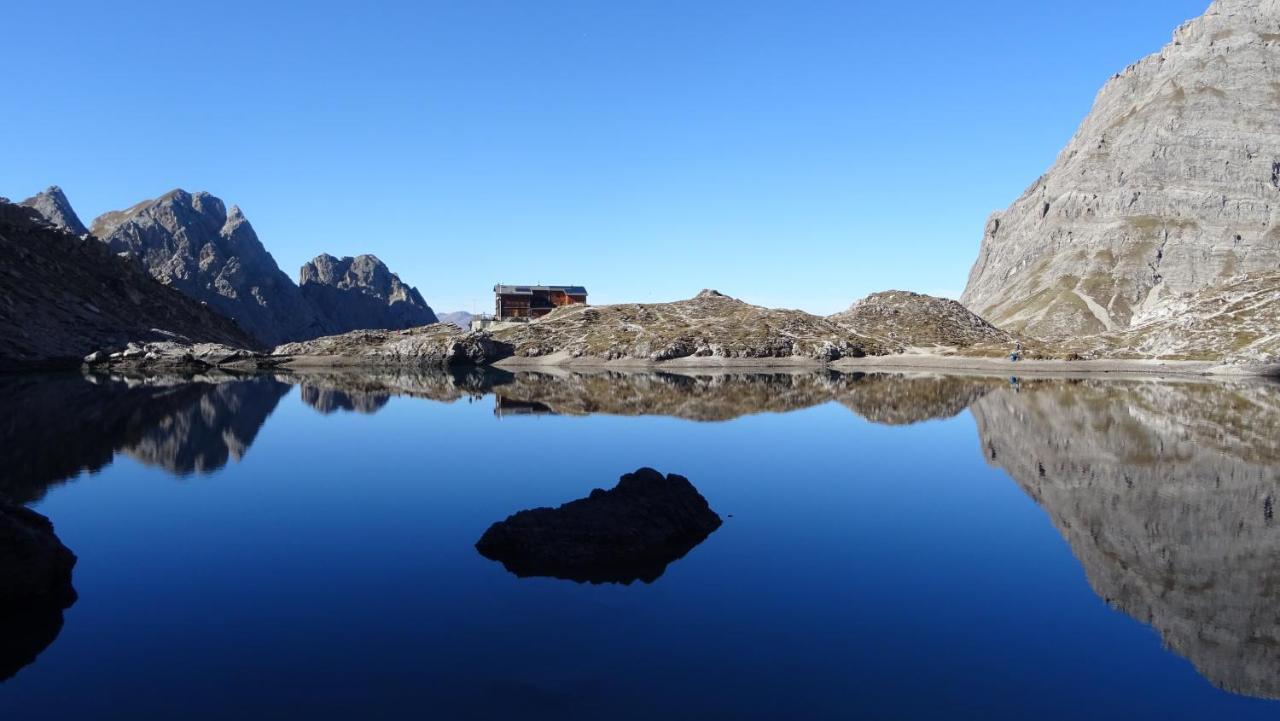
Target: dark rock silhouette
<point>35,569</point>
<point>332,400</point>
<point>632,532</point>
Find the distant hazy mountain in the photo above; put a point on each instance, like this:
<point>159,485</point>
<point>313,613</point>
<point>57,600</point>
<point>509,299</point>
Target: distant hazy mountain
<point>62,297</point>
<point>53,206</point>
<point>460,318</point>
<point>361,292</point>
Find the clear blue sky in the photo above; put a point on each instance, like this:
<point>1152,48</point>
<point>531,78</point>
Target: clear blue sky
<point>797,154</point>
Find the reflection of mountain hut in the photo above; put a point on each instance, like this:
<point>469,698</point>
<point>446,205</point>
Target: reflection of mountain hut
<point>508,407</point>
<point>534,301</point>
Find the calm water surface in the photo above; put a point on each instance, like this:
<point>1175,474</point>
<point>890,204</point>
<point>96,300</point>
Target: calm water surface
<point>893,547</point>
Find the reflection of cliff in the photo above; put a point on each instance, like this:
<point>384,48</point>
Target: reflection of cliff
<point>54,427</point>
<point>1166,494</point>
<point>723,396</point>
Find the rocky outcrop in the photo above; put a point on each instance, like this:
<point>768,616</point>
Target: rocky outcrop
<point>1166,493</point>
<point>34,564</point>
<point>192,243</point>
<point>434,345</point>
<point>1171,185</point>
<point>53,206</point>
<point>361,292</point>
<point>631,532</point>
<point>173,354</point>
<point>708,327</point>
<point>923,322</point>
<point>36,568</point>
<point>62,298</point>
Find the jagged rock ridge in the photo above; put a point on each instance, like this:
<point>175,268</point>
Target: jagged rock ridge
<point>1170,185</point>
<point>361,292</point>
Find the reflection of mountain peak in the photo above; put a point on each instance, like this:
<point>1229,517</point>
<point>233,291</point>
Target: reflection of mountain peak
<point>54,427</point>
<point>1165,493</point>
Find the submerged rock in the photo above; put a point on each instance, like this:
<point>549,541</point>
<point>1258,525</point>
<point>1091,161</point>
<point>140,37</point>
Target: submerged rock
<point>36,588</point>
<point>632,532</point>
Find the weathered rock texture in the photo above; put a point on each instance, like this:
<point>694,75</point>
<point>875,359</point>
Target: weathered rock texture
<point>53,206</point>
<point>62,298</point>
<point>1237,323</point>
<point>1166,493</point>
<point>1171,185</point>
<point>632,532</point>
<point>922,322</point>
<point>361,292</point>
<point>191,242</point>
<point>433,345</point>
<point>708,326</point>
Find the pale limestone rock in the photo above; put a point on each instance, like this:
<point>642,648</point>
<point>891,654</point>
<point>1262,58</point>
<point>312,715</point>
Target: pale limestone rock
<point>1171,185</point>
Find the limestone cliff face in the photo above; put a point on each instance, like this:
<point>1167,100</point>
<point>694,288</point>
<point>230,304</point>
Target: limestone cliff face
<point>361,292</point>
<point>1170,185</point>
<point>1166,493</point>
<point>191,242</point>
<point>53,206</point>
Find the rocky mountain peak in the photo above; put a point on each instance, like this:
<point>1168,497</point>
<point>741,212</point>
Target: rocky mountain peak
<point>52,204</point>
<point>190,242</point>
<point>709,293</point>
<point>362,292</point>
<point>1170,185</point>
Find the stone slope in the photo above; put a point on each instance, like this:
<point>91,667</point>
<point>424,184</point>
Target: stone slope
<point>708,326</point>
<point>1237,322</point>
<point>898,317</point>
<point>361,292</point>
<point>1170,185</point>
<point>52,204</point>
<point>62,298</point>
<point>191,242</point>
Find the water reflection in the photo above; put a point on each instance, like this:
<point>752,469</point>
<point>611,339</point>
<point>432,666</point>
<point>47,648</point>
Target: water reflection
<point>1166,493</point>
<point>54,427</point>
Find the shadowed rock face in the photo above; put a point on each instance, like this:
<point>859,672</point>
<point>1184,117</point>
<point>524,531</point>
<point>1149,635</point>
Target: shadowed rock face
<point>54,427</point>
<point>62,298</point>
<point>191,242</point>
<point>361,292</point>
<point>53,206</point>
<point>36,588</point>
<point>1166,493</point>
<point>632,532</point>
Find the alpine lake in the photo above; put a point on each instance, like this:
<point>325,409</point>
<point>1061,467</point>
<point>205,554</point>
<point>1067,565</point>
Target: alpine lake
<point>921,546</point>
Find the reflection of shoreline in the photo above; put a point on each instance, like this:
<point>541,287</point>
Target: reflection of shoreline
<point>1165,493</point>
